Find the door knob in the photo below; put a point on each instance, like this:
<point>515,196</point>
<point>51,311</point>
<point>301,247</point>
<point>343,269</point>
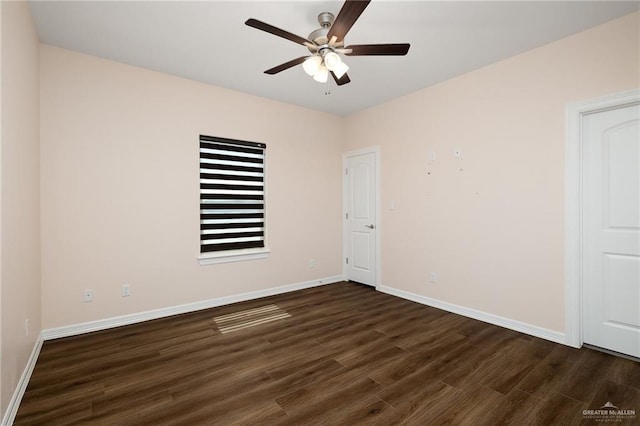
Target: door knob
<point>370,226</point>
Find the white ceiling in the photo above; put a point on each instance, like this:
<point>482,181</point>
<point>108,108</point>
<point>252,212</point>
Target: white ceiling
<point>207,41</point>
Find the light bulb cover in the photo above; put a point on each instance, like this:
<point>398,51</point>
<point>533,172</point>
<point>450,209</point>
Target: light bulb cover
<point>321,75</point>
<point>340,69</point>
<point>311,64</point>
<point>332,60</point>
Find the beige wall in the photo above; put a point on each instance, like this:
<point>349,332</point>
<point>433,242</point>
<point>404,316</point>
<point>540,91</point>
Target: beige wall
<point>490,224</point>
<point>19,194</point>
<point>119,173</point>
<point>120,188</point>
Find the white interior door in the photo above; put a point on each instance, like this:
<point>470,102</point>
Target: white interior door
<point>361,221</point>
<point>611,229</point>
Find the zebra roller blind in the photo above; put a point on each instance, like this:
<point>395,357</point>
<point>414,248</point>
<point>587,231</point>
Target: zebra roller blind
<point>232,213</point>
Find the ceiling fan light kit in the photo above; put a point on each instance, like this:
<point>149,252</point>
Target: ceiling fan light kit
<point>322,75</point>
<point>312,64</point>
<point>333,61</point>
<point>317,64</point>
<point>326,44</point>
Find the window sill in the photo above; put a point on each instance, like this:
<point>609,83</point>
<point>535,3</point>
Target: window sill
<point>233,256</point>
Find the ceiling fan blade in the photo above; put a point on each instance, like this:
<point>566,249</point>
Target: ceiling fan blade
<point>348,15</point>
<point>277,31</point>
<point>286,65</point>
<point>399,49</point>
<point>342,80</point>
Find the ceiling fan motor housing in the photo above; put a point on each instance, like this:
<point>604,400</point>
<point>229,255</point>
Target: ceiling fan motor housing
<point>319,36</point>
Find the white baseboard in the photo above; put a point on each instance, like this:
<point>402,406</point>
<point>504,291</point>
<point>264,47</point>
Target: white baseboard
<point>104,324</point>
<point>543,333</point>
<point>14,403</point>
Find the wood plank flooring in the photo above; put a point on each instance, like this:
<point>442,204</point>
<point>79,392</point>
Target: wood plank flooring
<point>347,355</point>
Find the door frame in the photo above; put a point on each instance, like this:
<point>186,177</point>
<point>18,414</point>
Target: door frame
<point>573,222</point>
<point>375,150</point>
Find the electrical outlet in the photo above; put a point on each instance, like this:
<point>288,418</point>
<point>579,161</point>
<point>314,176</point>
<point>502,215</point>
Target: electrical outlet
<point>312,263</point>
<point>125,290</point>
<point>433,277</point>
<point>88,296</point>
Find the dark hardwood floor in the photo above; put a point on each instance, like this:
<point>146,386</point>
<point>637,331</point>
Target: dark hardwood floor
<point>346,355</point>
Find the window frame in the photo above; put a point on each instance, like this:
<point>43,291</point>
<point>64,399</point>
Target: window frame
<point>231,255</point>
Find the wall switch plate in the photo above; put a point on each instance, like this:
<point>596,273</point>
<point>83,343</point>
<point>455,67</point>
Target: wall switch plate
<point>433,277</point>
<point>88,296</point>
<point>125,290</point>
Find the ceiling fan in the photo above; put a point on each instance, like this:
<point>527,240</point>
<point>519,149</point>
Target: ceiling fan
<point>326,44</point>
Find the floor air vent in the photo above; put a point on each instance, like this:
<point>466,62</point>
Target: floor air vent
<point>249,318</point>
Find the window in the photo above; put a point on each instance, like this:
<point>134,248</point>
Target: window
<point>232,213</point>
